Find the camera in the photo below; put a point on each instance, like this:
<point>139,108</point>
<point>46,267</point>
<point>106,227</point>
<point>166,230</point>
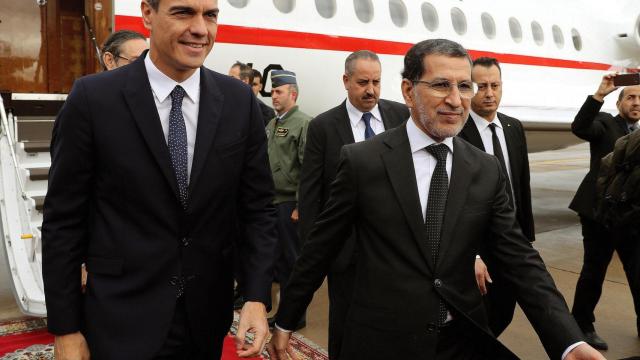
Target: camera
<point>626,79</point>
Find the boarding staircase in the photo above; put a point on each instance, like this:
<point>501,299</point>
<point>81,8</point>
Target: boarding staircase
<point>25,134</point>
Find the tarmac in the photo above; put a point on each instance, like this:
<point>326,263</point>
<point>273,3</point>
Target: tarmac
<point>554,177</point>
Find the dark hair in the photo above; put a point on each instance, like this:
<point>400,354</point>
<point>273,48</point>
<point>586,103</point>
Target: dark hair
<point>349,63</point>
<point>621,94</point>
<point>246,72</point>
<point>414,59</point>
<point>114,42</point>
<point>487,62</point>
<point>154,4</point>
<point>256,74</point>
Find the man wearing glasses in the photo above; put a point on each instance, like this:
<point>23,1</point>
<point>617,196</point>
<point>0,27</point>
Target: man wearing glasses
<point>503,136</point>
<point>121,48</point>
<point>422,201</point>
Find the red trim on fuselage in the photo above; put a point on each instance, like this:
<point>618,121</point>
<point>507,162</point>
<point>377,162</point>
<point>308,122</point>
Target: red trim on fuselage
<point>233,34</point>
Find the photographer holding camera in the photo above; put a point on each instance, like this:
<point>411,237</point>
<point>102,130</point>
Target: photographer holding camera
<point>601,130</point>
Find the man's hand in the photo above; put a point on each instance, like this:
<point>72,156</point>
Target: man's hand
<point>71,347</point>
<point>584,352</point>
<point>606,87</point>
<point>294,215</point>
<point>482,276</point>
<point>253,319</point>
<point>279,348</point>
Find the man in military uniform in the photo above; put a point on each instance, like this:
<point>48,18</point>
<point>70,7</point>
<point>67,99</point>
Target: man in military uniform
<point>287,136</point>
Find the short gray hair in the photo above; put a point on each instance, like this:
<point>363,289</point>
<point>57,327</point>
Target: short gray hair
<point>349,63</point>
<point>414,59</point>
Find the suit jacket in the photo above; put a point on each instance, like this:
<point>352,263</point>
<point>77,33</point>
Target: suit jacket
<point>113,203</point>
<point>326,135</point>
<point>518,162</point>
<point>267,112</point>
<point>398,286</point>
<point>601,130</point>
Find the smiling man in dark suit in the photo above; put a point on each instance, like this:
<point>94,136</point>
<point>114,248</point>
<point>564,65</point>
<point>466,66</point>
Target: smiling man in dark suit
<point>155,166</point>
<point>502,136</point>
<point>362,115</point>
<point>422,201</point>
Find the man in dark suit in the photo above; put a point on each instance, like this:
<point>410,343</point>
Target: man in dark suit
<point>502,136</point>
<point>362,115</point>
<point>256,86</point>
<point>155,166</point>
<point>417,230</point>
<point>601,130</point>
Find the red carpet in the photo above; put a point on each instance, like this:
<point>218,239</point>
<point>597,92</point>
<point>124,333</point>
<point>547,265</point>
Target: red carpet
<point>28,339</point>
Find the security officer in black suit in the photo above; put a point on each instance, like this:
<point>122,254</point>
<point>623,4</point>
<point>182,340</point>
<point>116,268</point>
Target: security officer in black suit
<point>327,133</point>
<point>601,130</point>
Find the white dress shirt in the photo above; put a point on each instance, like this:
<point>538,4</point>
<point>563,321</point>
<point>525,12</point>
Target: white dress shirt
<point>162,86</point>
<point>485,134</point>
<point>357,124</point>
<point>423,162</point>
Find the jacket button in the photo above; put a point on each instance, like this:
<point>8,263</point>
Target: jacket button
<point>437,283</point>
<point>185,241</point>
<point>173,281</point>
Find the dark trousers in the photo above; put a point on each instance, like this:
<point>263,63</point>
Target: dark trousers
<point>180,345</point>
<point>462,341</point>
<point>288,244</point>
<point>340,295</point>
<point>599,245</point>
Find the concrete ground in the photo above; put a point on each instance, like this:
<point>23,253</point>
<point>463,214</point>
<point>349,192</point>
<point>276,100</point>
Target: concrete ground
<point>554,177</point>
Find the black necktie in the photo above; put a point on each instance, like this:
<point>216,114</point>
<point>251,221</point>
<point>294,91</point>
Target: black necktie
<point>368,131</point>
<point>497,152</point>
<point>632,127</point>
<point>178,143</point>
<point>436,202</point>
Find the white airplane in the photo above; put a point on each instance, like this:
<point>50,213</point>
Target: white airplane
<point>553,54</point>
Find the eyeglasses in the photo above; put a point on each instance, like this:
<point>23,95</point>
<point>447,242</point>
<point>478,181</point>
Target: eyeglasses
<point>130,60</point>
<point>484,86</point>
<point>442,88</point>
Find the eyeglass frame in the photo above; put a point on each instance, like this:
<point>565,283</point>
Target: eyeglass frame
<point>474,88</point>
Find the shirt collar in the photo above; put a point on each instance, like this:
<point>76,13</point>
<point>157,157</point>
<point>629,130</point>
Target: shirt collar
<point>418,140</point>
<point>162,85</point>
<point>482,123</point>
<point>355,115</point>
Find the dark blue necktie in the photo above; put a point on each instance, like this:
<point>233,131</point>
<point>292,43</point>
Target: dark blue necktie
<point>436,203</point>
<point>497,152</point>
<point>368,131</point>
<point>178,143</point>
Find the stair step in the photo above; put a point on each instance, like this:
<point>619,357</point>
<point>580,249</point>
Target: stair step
<point>36,146</point>
<point>39,174</point>
<point>35,128</point>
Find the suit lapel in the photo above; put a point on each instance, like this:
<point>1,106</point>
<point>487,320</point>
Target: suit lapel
<point>623,124</point>
<point>399,165</point>
<point>384,112</point>
<point>343,125</point>
<point>460,180</point>
<point>139,98</point>
<point>472,135</point>
<point>510,138</point>
<point>211,101</point>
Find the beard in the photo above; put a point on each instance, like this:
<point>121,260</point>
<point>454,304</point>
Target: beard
<point>433,127</point>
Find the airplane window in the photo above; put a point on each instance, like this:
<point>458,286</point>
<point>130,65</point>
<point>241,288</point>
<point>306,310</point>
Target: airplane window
<point>364,10</point>
<point>398,12</point>
<point>429,16</point>
<point>238,3</point>
<point>538,34</point>
<point>326,8</point>
<point>488,25</point>
<point>558,38</point>
<point>577,39</point>
<point>515,29</point>
<point>459,21</point>
<point>284,6</point>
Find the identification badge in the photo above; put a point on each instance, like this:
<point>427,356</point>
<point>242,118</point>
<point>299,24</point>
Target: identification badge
<point>281,132</point>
